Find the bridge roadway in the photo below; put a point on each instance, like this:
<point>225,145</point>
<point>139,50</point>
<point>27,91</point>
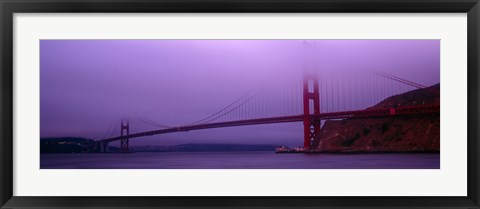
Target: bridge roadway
<point>367,113</point>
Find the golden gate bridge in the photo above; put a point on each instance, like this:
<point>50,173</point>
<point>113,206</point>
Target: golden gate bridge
<point>310,100</point>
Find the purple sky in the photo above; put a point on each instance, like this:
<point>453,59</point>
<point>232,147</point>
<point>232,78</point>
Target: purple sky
<point>86,85</point>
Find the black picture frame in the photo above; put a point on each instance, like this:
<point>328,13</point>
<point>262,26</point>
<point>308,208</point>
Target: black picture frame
<point>9,7</point>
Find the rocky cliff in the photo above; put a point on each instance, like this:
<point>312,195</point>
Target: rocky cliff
<point>409,133</point>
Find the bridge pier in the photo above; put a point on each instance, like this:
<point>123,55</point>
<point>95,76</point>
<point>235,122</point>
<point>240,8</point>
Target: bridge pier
<point>316,140</point>
<point>311,109</point>
<point>102,146</point>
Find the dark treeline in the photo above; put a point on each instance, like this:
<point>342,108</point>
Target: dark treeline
<point>67,145</point>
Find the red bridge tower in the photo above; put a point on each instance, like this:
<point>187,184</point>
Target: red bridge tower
<point>124,132</point>
<point>311,109</point>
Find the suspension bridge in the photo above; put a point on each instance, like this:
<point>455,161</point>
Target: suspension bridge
<point>310,101</point>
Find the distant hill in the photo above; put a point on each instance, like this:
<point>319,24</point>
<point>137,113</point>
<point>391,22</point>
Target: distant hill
<point>206,148</point>
<point>409,133</point>
<point>429,95</point>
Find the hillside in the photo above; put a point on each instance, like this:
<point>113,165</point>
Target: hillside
<point>412,133</point>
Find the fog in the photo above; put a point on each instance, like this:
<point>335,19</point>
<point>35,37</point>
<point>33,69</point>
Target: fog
<point>87,86</point>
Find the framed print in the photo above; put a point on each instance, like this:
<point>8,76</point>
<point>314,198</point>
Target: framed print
<point>195,104</point>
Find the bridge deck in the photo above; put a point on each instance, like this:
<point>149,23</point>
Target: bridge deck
<point>368,113</point>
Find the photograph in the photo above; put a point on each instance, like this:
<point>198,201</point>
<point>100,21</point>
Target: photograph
<point>239,103</point>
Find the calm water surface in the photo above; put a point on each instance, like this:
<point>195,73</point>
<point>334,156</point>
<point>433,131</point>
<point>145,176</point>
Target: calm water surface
<point>237,160</point>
